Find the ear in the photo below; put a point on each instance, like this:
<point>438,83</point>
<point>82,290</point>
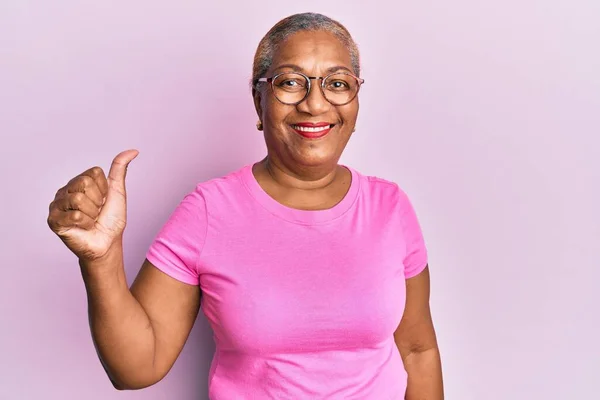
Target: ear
<point>257,96</point>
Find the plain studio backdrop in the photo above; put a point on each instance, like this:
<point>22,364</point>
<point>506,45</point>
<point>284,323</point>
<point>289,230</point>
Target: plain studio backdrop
<point>487,113</point>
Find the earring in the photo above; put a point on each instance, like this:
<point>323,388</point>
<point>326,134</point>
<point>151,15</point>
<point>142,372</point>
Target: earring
<point>259,125</point>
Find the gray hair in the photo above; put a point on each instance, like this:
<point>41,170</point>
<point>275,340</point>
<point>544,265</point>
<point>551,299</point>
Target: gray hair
<point>297,23</point>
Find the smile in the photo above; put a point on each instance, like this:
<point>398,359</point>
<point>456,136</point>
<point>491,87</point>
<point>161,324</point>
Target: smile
<point>312,131</point>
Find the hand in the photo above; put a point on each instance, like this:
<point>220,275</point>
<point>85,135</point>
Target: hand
<point>90,213</point>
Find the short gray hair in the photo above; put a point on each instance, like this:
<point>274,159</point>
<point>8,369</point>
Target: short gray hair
<point>297,23</point>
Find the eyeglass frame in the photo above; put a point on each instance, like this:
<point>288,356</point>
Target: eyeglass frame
<point>308,79</point>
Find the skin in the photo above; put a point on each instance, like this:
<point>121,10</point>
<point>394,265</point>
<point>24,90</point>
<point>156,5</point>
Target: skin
<point>140,331</point>
<point>298,172</point>
<point>417,343</point>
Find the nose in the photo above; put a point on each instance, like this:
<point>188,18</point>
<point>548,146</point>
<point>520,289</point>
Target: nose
<point>314,103</point>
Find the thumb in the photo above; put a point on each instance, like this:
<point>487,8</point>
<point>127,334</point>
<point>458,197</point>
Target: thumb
<point>118,169</point>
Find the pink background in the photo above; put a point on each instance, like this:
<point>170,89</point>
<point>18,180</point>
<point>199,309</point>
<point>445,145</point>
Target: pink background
<point>487,113</point>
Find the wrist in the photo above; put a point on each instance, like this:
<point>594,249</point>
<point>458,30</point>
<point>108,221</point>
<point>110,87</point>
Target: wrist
<point>108,263</point>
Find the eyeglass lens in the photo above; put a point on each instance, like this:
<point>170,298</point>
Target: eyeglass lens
<point>338,89</point>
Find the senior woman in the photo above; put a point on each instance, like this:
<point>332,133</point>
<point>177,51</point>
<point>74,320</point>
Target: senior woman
<point>313,277</point>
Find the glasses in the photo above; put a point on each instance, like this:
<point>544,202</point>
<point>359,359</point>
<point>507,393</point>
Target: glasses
<point>291,88</point>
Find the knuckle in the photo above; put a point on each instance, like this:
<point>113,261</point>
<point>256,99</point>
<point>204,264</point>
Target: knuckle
<point>97,171</point>
<point>77,216</point>
<point>53,208</point>
<point>52,220</point>
<point>81,182</point>
<point>87,180</point>
<point>71,186</point>
<point>59,193</point>
<point>73,180</point>
<point>77,198</point>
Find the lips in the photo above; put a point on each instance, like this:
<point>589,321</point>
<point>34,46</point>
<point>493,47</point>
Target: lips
<point>312,130</point>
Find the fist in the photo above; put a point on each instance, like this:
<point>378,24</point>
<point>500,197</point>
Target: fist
<point>90,212</point>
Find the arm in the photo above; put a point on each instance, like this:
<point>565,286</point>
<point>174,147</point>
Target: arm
<point>417,343</point>
<point>138,333</point>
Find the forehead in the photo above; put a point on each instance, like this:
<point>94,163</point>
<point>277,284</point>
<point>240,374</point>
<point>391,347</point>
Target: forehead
<point>312,50</point>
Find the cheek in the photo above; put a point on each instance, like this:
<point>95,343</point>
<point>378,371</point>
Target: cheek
<point>349,113</point>
<point>275,112</point>
<point>277,116</point>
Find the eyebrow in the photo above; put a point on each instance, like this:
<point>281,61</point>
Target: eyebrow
<point>297,68</point>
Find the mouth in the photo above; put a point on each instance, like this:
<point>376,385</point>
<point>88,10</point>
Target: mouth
<point>312,130</point>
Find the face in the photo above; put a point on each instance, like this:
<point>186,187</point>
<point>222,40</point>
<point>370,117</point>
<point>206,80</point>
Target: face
<point>289,141</point>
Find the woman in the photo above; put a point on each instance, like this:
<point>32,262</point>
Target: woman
<point>313,277</point>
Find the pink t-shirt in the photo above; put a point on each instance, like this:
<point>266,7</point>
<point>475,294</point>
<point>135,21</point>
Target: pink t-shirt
<point>303,304</point>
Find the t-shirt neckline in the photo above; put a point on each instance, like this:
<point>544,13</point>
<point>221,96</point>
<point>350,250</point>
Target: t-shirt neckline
<point>304,217</point>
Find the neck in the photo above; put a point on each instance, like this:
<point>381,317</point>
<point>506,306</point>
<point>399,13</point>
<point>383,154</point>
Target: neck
<point>299,177</point>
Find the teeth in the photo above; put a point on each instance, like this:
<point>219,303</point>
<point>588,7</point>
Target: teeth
<point>311,129</point>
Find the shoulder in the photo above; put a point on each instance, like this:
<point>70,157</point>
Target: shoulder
<point>382,191</point>
<point>226,184</point>
<point>221,195</point>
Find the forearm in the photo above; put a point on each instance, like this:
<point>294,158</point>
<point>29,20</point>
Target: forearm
<point>121,329</point>
<point>424,375</point>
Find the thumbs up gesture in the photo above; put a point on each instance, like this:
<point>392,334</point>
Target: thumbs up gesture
<point>90,212</point>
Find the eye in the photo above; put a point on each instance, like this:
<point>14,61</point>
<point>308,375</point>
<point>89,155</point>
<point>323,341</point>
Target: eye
<point>290,83</point>
<point>338,85</point>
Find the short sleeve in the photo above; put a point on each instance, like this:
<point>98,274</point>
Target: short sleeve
<point>415,259</point>
<point>177,246</point>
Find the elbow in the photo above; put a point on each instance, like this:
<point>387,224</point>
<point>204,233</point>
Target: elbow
<point>118,385</point>
<point>123,386</point>
<point>132,377</point>
<point>132,383</point>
